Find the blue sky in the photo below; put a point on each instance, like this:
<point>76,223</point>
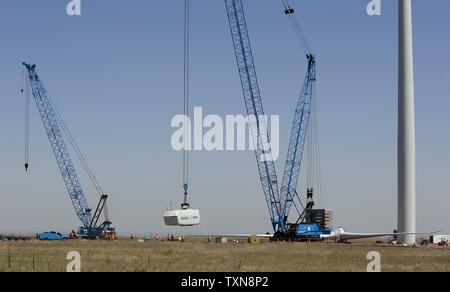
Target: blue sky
<point>115,74</point>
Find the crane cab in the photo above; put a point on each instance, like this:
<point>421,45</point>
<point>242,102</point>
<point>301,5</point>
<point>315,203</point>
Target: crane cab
<point>105,232</point>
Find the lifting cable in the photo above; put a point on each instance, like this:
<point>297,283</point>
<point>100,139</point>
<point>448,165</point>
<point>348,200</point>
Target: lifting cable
<point>186,98</point>
<point>314,175</point>
<point>79,155</point>
<point>63,127</point>
<point>67,133</point>
<point>76,149</point>
<point>316,143</point>
<point>290,12</point>
<point>27,118</point>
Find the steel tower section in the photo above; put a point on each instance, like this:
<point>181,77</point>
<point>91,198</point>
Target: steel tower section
<point>50,120</point>
<point>297,140</point>
<point>253,103</point>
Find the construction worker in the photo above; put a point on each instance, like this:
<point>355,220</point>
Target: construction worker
<point>182,237</point>
<point>156,237</point>
<point>132,236</point>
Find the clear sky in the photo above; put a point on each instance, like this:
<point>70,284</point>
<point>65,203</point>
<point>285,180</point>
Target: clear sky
<point>116,75</point>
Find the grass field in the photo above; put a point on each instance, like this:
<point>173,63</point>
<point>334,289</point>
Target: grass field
<point>197,255</point>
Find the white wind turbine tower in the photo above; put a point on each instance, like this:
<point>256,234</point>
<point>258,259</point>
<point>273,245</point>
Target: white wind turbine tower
<point>406,128</point>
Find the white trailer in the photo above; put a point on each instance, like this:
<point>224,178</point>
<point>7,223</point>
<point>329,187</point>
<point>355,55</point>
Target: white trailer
<point>440,238</point>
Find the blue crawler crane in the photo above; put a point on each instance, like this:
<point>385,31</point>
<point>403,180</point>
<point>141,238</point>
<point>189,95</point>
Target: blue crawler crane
<point>311,223</point>
<point>54,127</point>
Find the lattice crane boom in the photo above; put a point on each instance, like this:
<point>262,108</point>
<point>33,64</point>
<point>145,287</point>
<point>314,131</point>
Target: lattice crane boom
<point>54,132</point>
<point>253,103</point>
<point>297,140</point>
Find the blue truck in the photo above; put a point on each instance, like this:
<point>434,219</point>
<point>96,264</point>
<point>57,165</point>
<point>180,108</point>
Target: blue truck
<point>52,235</point>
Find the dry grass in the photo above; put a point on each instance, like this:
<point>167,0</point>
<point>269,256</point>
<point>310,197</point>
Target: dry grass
<point>197,255</point>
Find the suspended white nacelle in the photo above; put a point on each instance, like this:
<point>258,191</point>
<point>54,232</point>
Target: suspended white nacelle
<point>182,217</point>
